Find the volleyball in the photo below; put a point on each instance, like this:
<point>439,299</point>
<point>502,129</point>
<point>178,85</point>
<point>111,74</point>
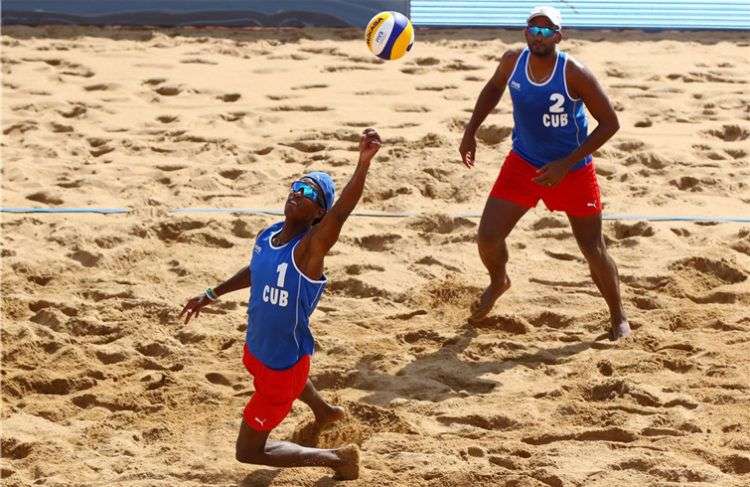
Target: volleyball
<point>389,35</point>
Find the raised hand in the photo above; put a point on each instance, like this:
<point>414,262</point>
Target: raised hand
<point>369,145</point>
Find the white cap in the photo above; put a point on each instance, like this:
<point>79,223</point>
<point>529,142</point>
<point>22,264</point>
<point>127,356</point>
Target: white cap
<point>545,11</point>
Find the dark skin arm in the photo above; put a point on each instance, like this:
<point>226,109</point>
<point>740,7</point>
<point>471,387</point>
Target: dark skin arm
<point>314,246</point>
<point>582,84</point>
<point>488,99</point>
<point>241,280</point>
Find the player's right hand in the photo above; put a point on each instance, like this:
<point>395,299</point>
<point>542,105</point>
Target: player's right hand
<point>194,306</point>
<point>468,150</point>
<point>369,144</point>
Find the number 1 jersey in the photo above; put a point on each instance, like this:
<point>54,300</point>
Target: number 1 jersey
<point>281,302</point>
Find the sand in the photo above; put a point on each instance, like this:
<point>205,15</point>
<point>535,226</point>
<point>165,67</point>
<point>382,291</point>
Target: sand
<point>102,385</point>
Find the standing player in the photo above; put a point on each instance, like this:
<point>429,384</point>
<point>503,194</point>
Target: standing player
<point>286,280</point>
<point>550,159</point>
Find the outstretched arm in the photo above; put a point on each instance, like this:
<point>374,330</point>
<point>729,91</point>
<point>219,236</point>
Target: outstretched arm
<point>241,280</point>
<point>488,99</point>
<point>315,245</point>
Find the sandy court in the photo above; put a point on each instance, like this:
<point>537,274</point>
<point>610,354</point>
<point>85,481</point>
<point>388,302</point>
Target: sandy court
<point>101,385</point>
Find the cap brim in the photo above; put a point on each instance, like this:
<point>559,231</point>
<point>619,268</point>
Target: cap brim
<point>556,24</point>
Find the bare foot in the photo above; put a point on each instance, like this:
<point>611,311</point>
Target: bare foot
<point>333,414</point>
<point>482,307</point>
<point>619,330</point>
<point>349,468</point>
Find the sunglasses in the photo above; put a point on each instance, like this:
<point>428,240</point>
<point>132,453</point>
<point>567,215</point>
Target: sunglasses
<point>545,32</point>
<point>308,191</point>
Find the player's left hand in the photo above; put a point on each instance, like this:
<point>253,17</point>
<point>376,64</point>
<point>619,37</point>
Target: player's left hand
<point>552,174</point>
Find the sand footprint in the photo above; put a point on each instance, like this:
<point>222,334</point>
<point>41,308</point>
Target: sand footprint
<point>168,90</point>
<point>730,133</point>
<point>45,197</point>
<point>218,379</point>
<point>413,70</point>
<point>229,97</point>
<point>377,243</point>
<point>233,116</point>
<point>86,258</point>
<point>231,174</point>
<point>356,288</point>
<point>493,134</point>
<point>306,147</point>
<point>638,229</point>
<point>99,146</point>
<point>357,269</point>
<point>154,81</point>
<point>60,128</point>
<point>167,118</point>
<point>21,127</point>
<point>736,153</point>
<point>460,65</point>
<point>426,61</point>
<point>74,112</point>
<point>100,87</point>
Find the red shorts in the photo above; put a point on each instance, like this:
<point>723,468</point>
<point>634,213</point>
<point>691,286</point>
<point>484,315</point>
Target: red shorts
<point>275,391</point>
<point>577,194</point>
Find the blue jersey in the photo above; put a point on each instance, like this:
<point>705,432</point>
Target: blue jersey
<point>281,302</point>
<point>549,124</point>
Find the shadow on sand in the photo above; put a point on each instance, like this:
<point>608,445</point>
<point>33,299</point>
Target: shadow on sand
<point>443,374</point>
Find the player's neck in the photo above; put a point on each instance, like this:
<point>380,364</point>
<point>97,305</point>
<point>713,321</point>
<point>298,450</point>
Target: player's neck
<point>543,59</point>
<point>290,230</point>
<point>541,66</point>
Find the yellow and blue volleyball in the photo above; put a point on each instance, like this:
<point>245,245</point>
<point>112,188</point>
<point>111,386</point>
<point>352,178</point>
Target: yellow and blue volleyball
<point>389,35</point>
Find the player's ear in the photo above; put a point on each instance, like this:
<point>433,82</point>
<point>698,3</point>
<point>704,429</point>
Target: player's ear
<point>319,216</point>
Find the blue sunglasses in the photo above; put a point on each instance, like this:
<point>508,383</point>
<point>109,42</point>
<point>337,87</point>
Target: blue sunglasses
<point>545,32</point>
<point>308,191</point>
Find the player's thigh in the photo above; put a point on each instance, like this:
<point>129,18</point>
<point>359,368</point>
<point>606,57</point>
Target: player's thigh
<point>498,219</point>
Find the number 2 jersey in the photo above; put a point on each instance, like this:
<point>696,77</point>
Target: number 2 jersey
<point>281,302</point>
<point>549,124</point>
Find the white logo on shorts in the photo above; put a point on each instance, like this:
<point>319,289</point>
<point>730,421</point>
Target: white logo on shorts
<point>260,421</point>
<point>592,205</point>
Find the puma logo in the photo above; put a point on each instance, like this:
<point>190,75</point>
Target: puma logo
<point>260,421</point>
<point>591,205</point>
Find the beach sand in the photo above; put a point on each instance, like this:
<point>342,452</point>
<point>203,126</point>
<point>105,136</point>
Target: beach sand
<point>102,385</point>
